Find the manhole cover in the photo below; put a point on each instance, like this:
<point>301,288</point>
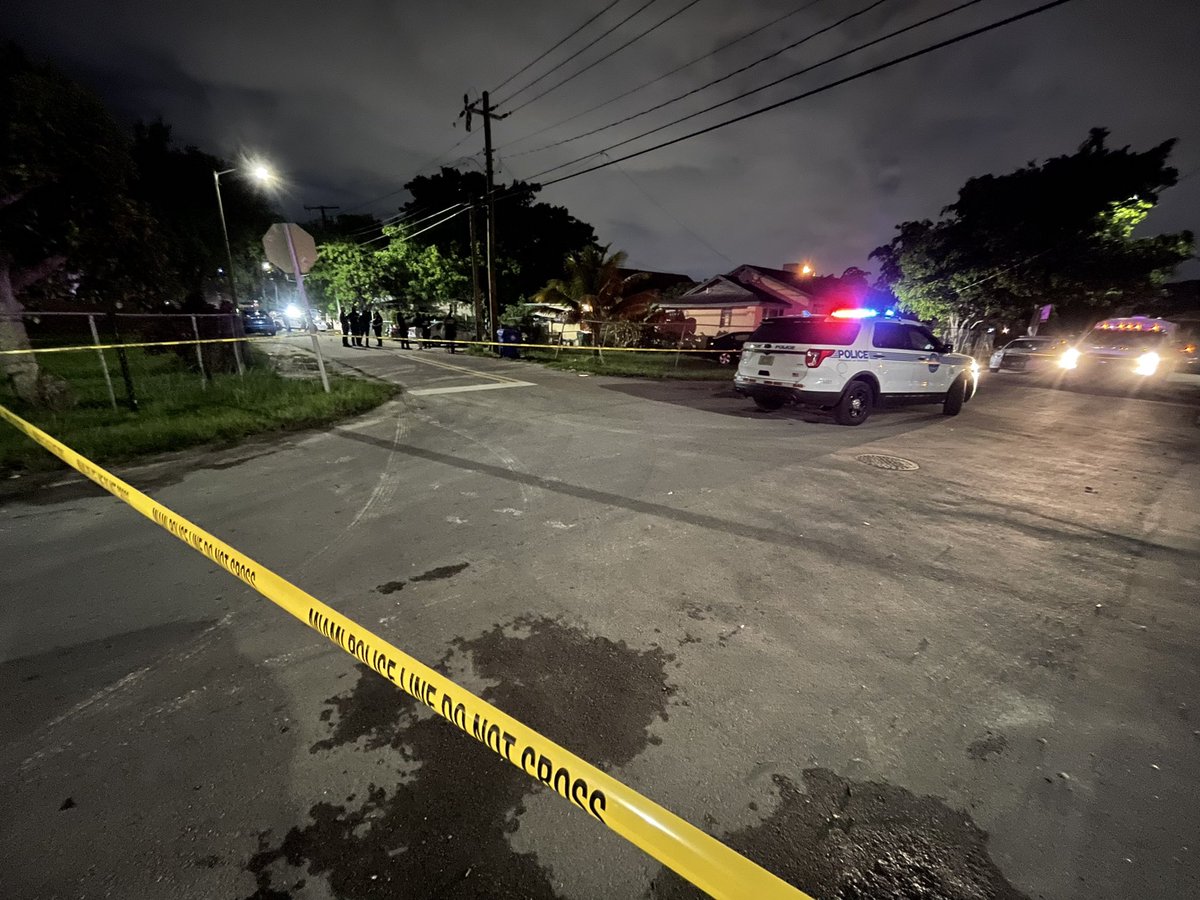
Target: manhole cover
<point>895,463</point>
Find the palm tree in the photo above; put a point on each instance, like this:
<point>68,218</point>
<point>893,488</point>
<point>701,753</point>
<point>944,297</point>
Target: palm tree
<point>594,288</point>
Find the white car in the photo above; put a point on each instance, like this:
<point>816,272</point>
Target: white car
<point>1035,355</point>
<point>852,361</point>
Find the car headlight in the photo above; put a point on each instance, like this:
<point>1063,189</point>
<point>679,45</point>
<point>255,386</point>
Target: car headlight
<point>1069,359</point>
<point>1147,363</point>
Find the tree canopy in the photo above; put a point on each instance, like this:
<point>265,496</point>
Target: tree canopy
<point>421,277</point>
<point>595,288</point>
<point>532,239</point>
<point>1059,232</point>
<point>69,225</point>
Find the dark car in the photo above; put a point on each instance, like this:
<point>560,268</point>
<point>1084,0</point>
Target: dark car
<point>255,321</point>
<point>727,348</point>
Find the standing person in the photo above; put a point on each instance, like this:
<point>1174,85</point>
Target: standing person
<point>345,320</point>
<point>450,332</point>
<point>402,328</point>
<point>426,331</point>
<point>355,324</point>
<point>377,327</point>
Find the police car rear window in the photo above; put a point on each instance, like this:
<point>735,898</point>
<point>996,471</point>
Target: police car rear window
<point>828,332</point>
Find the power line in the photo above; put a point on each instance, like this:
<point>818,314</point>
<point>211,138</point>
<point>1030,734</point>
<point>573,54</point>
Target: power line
<point>715,81</point>
<point>771,84</point>
<point>406,237</point>
<point>975,32</point>
<point>399,222</point>
<point>692,62</point>
<point>594,63</point>
<point>400,218</point>
<point>586,47</point>
<point>534,62</point>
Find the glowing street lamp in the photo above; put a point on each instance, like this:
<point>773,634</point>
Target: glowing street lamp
<point>261,174</point>
<point>806,269</point>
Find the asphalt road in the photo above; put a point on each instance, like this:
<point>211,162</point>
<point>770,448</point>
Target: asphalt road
<point>975,679</point>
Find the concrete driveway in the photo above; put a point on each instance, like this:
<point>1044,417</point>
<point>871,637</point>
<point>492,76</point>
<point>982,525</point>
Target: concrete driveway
<point>971,678</point>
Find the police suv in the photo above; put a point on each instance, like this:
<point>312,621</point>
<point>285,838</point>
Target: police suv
<point>852,361</point>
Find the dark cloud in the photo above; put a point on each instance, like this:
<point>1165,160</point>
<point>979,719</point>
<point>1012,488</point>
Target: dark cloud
<point>350,99</point>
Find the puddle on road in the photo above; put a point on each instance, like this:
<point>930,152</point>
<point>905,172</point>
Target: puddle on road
<point>443,571</point>
<point>440,572</point>
<point>852,840</point>
<point>436,825</point>
<point>390,587</point>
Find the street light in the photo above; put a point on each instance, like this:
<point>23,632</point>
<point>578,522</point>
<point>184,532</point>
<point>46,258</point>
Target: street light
<point>258,172</point>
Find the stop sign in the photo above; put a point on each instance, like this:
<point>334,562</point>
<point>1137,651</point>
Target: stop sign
<point>275,243</point>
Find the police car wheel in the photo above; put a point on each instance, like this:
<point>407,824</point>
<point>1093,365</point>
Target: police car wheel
<point>855,405</point>
<point>725,359</point>
<point>768,404</point>
<point>955,397</point>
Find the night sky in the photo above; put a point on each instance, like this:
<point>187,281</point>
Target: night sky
<point>350,99</point>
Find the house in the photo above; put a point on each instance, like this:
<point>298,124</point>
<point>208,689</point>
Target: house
<point>741,299</point>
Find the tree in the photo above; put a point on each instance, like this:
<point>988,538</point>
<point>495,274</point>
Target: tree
<point>68,222</point>
<point>423,277</point>
<point>532,239</point>
<point>594,288</point>
<point>1060,232</point>
<point>348,273</point>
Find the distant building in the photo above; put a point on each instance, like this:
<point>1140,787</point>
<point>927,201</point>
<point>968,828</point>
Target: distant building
<point>741,299</point>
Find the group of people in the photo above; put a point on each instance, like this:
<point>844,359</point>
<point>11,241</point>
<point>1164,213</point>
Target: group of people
<point>357,327</point>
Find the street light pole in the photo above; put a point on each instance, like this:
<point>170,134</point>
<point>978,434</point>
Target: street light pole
<point>225,232</point>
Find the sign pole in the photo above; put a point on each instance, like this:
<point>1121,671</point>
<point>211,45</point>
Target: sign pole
<point>312,328</point>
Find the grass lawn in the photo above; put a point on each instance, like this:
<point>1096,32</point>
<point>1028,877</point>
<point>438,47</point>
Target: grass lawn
<point>176,410</point>
<point>692,367</point>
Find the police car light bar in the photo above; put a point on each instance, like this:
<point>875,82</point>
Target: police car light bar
<point>854,313</point>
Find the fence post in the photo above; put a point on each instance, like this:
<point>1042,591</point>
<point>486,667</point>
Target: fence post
<point>200,353</point>
<point>237,346</point>
<point>130,397</point>
<point>112,397</point>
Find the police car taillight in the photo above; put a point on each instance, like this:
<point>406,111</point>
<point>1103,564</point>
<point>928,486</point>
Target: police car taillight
<point>814,357</point>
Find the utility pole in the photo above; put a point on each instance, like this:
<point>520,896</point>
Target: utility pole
<point>488,112</point>
<point>475,273</point>
<point>324,221</point>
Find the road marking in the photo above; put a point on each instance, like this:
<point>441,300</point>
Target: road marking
<point>464,388</point>
<point>478,373</point>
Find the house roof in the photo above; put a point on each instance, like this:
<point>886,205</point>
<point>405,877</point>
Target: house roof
<point>722,291</point>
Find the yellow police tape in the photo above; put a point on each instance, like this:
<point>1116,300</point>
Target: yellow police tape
<point>436,341</point>
<point>698,857</point>
<point>132,344</point>
<point>595,347</point>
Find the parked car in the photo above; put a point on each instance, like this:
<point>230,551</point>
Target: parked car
<point>1028,354</point>
<point>850,362</point>
<point>255,321</point>
<point>727,348</point>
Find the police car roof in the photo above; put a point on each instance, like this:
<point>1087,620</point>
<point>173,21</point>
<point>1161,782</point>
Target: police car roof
<point>823,317</point>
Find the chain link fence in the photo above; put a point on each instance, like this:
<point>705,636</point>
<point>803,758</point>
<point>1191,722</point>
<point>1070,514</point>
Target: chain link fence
<point>187,351</point>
